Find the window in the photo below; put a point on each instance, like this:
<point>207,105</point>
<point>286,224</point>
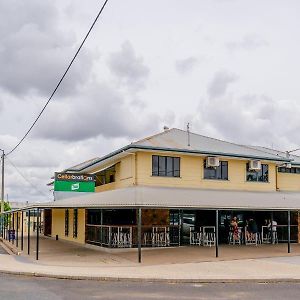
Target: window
<point>261,175</point>
<point>220,172</point>
<point>293,170</point>
<point>165,166</point>
<point>66,222</point>
<point>75,223</point>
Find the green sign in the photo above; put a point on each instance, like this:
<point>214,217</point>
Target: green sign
<point>74,186</point>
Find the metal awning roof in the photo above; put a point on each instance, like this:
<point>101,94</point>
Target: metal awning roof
<point>179,198</point>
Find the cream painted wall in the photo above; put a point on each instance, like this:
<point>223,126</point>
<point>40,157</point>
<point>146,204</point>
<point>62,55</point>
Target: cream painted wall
<point>288,182</point>
<point>58,225</point>
<point>124,175</point>
<point>191,172</point>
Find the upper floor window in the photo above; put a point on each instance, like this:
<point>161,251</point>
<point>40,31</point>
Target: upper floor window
<point>261,175</point>
<point>292,170</point>
<point>165,166</point>
<point>220,172</point>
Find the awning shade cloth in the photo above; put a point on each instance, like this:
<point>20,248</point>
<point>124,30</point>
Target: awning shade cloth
<point>161,197</point>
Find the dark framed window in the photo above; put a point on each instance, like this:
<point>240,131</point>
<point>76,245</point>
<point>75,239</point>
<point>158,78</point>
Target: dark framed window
<point>167,166</point>
<point>292,170</point>
<point>220,172</point>
<point>75,223</point>
<point>66,222</point>
<point>261,175</point>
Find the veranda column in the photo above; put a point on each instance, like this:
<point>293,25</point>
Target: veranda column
<point>9,227</point>
<point>217,233</point>
<point>37,233</point>
<point>28,232</point>
<point>13,228</point>
<point>22,230</point>
<point>17,230</point>
<point>289,231</point>
<point>140,235</point>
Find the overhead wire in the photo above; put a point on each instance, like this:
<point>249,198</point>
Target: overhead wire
<point>27,180</point>
<point>60,81</point>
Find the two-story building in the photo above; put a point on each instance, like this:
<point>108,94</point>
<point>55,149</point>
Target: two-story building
<point>176,188</point>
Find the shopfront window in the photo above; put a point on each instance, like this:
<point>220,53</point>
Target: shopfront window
<point>75,223</point>
<point>66,222</point>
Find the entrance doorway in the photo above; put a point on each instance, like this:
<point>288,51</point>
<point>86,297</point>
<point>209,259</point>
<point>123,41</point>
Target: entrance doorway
<point>47,222</point>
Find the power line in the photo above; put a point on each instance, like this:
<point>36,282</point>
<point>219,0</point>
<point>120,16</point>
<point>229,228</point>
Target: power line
<point>32,185</point>
<point>61,79</point>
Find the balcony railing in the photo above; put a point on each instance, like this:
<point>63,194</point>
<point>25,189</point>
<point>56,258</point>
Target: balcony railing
<point>126,236</point>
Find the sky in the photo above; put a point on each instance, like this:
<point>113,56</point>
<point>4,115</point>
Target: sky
<point>228,67</point>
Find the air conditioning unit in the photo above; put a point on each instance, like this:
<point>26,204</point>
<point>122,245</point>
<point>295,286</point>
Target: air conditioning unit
<point>255,165</point>
<point>212,161</point>
<point>288,165</point>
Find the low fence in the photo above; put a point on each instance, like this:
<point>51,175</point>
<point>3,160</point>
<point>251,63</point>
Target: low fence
<point>126,236</point>
<point>280,234</point>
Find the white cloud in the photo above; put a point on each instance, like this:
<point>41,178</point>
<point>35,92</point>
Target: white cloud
<point>128,67</point>
<point>248,42</point>
<point>186,65</point>
<point>219,83</point>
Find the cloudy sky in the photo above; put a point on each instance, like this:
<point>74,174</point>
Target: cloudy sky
<point>229,67</point>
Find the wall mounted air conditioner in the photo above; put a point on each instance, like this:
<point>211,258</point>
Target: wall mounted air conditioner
<point>288,165</point>
<point>212,161</point>
<point>255,165</point>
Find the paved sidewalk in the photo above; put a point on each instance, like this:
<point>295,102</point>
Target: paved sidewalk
<point>186,264</point>
<point>275,269</point>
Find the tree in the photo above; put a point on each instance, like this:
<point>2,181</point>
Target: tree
<point>6,206</point>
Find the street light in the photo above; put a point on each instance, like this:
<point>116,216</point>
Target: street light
<point>2,184</point>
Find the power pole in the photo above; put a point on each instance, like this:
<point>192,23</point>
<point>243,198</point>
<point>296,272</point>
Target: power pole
<point>2,183</point>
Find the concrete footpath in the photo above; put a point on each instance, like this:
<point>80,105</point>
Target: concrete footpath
<point>262,270</point>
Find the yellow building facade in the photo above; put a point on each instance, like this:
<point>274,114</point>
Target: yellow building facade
<point>134,167</point>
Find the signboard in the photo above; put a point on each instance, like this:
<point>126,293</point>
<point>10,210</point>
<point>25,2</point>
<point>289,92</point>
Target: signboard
<point>74,182</point>
<point>12,234</point>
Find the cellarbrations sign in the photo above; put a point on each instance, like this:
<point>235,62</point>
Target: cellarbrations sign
<point>74,182</point>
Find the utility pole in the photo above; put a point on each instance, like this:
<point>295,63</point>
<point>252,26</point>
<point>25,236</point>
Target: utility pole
<point>2,183</point>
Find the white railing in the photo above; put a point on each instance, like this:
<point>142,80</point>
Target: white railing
<point>205,236</point>
<point>126,236</point>
<point>278,234</point>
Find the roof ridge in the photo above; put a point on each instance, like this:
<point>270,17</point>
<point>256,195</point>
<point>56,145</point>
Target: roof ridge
<point>153,135</point>
<point>232,143</point>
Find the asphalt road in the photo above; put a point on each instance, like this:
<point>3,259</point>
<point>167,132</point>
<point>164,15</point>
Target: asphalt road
<point>19,287</point>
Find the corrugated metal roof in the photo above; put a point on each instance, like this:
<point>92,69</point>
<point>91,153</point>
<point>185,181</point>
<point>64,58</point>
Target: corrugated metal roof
<point>82,165</point>
<point>177,140</point>
<point>295,158</point>
<point>161,197</point>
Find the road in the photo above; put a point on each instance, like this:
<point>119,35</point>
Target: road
<point>23,288</point>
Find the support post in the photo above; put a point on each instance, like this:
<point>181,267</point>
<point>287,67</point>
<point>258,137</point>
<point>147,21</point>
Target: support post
<point>17,230</point>
<point>13,228</point>
<point>289,231</point>
<point>140,235</point>
<point>9,227</point>
<point>217,233</point>
<point>37,233</point>
<point>101,228</point>
<point>28,232</point>
<point>272,233</point>
<point>22,230</point>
